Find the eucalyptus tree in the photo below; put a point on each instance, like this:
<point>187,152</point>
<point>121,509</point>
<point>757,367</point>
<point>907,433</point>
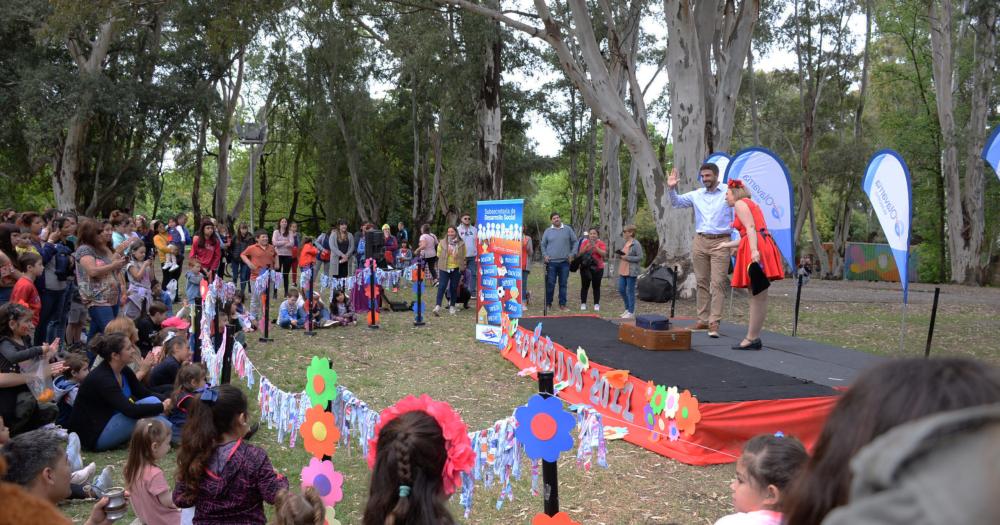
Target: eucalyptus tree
<point>708,42</point>
<point>964,52</point>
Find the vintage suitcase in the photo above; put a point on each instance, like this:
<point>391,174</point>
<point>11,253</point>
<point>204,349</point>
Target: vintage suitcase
<point>673,339</point>
<point>652,322</point>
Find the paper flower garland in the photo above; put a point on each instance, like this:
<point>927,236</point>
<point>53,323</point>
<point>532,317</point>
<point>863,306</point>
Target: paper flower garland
<point>671,402</point>
<point>561,518</point>
<point>328,483</point>
<point>543,427</point>
<point>650,416</point>
<point>688,415</point>
<point>659,400</point>
<point>319,432</point>
<point>461,458</point>
<point>673,432</point>
<point>321,382</point>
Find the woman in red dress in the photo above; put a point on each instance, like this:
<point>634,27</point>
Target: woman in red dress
<point>758,248</point>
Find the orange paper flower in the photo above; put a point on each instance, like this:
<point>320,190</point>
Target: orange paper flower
<point>319,432</point>
<point>688,414</point>
<point>561,518</point>
<point>616,378</point>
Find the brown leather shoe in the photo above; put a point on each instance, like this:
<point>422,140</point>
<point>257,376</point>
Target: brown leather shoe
<point>713,329</point>
<point>700,326</point>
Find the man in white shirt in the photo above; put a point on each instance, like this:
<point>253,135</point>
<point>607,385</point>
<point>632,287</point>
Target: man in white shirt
<point>713,220</point>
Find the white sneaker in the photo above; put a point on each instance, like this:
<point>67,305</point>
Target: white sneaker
<point>627,315</point>
<point>451,310</point>
<point>583,307</point>
<point>437,311</point>
<point>82,476</point>
<point>597,308</point>
<point>73,453</point>
<point>623,314</point>
<point>104,481</point>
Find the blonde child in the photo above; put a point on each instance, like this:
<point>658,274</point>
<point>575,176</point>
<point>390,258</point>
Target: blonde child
<point>299,509</point>
<point>766,468</point>
<point>148,487</point>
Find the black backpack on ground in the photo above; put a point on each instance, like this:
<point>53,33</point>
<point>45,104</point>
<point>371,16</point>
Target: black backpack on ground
<point>656,285</point>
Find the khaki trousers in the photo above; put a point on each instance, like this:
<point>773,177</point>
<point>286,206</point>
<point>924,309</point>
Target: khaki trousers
<point>711,266</point>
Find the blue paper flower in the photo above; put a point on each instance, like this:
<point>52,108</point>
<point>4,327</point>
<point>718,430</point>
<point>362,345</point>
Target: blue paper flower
<point>543,427</point>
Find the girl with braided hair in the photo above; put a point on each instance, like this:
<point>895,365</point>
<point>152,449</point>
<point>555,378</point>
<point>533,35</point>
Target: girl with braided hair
<point>420,450</point>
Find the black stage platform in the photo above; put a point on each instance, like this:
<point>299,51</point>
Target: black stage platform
<point>786,368</point>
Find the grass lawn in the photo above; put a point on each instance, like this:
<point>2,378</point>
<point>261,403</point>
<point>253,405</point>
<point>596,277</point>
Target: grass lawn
<point>639,487</point>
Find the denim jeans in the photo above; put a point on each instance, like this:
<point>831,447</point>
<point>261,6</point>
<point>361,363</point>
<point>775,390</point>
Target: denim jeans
<point>560,270</point>
<point>119,428</point>
<point>100,316</point>
<point>626,288</point>
<point>241,274</point>
<point>52,312</point>
<point>470,263</point>
<point>448,281</point>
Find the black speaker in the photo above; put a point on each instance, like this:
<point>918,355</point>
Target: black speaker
<point>375,247</point>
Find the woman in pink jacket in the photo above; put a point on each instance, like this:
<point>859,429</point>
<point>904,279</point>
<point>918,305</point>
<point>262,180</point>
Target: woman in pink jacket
<point>284,242</point>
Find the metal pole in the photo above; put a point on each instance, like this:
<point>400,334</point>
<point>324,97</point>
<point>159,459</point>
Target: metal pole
<point>550,471</point>
<point>372,303</point>
<point>930,330</point>
<point>673,295</point>
<point>798,297</point>
<point>197,330</point>
<point>545,299</point>
<point>227,356</point>
<point>309,313</point>
<point>419,281</point>
<point>250,169</point>
<point>267,307</point>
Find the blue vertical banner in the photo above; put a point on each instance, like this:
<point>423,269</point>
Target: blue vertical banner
<point>887,184</point>
<point>991,151</point>
<point>498,272</point>
<point>766,176</point>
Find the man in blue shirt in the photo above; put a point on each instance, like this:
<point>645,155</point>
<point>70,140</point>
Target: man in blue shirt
<point>713,220</point>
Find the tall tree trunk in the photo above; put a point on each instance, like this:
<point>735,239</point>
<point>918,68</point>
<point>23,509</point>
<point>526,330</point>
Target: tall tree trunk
<point>360,187</point>
<point>64,179</point>
<point>199,165</point>
<point>842,224</point>
<point>262,176</point>
<point>611,189</point>
<point>489,185</point>
<point>230,91</point>
<point>574,168</point>
<point>964,201</point>
<point>418,182</point>
<point>588,215</point>
<point>632,199</point>
<point>432,203</point>
<point>296,167</point>
<point>754,117</point>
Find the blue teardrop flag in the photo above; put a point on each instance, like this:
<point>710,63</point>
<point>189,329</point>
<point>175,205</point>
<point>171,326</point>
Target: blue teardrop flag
<point>887,184</point>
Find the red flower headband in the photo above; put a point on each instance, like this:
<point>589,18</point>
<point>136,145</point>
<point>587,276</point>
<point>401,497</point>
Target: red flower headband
<point>461,458</point>
<point>735,184</point>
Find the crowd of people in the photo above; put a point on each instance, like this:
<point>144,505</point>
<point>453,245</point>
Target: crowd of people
<point>129,380</point>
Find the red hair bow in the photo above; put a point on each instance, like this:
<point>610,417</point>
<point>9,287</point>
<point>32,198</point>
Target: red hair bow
<point>735,184</point>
